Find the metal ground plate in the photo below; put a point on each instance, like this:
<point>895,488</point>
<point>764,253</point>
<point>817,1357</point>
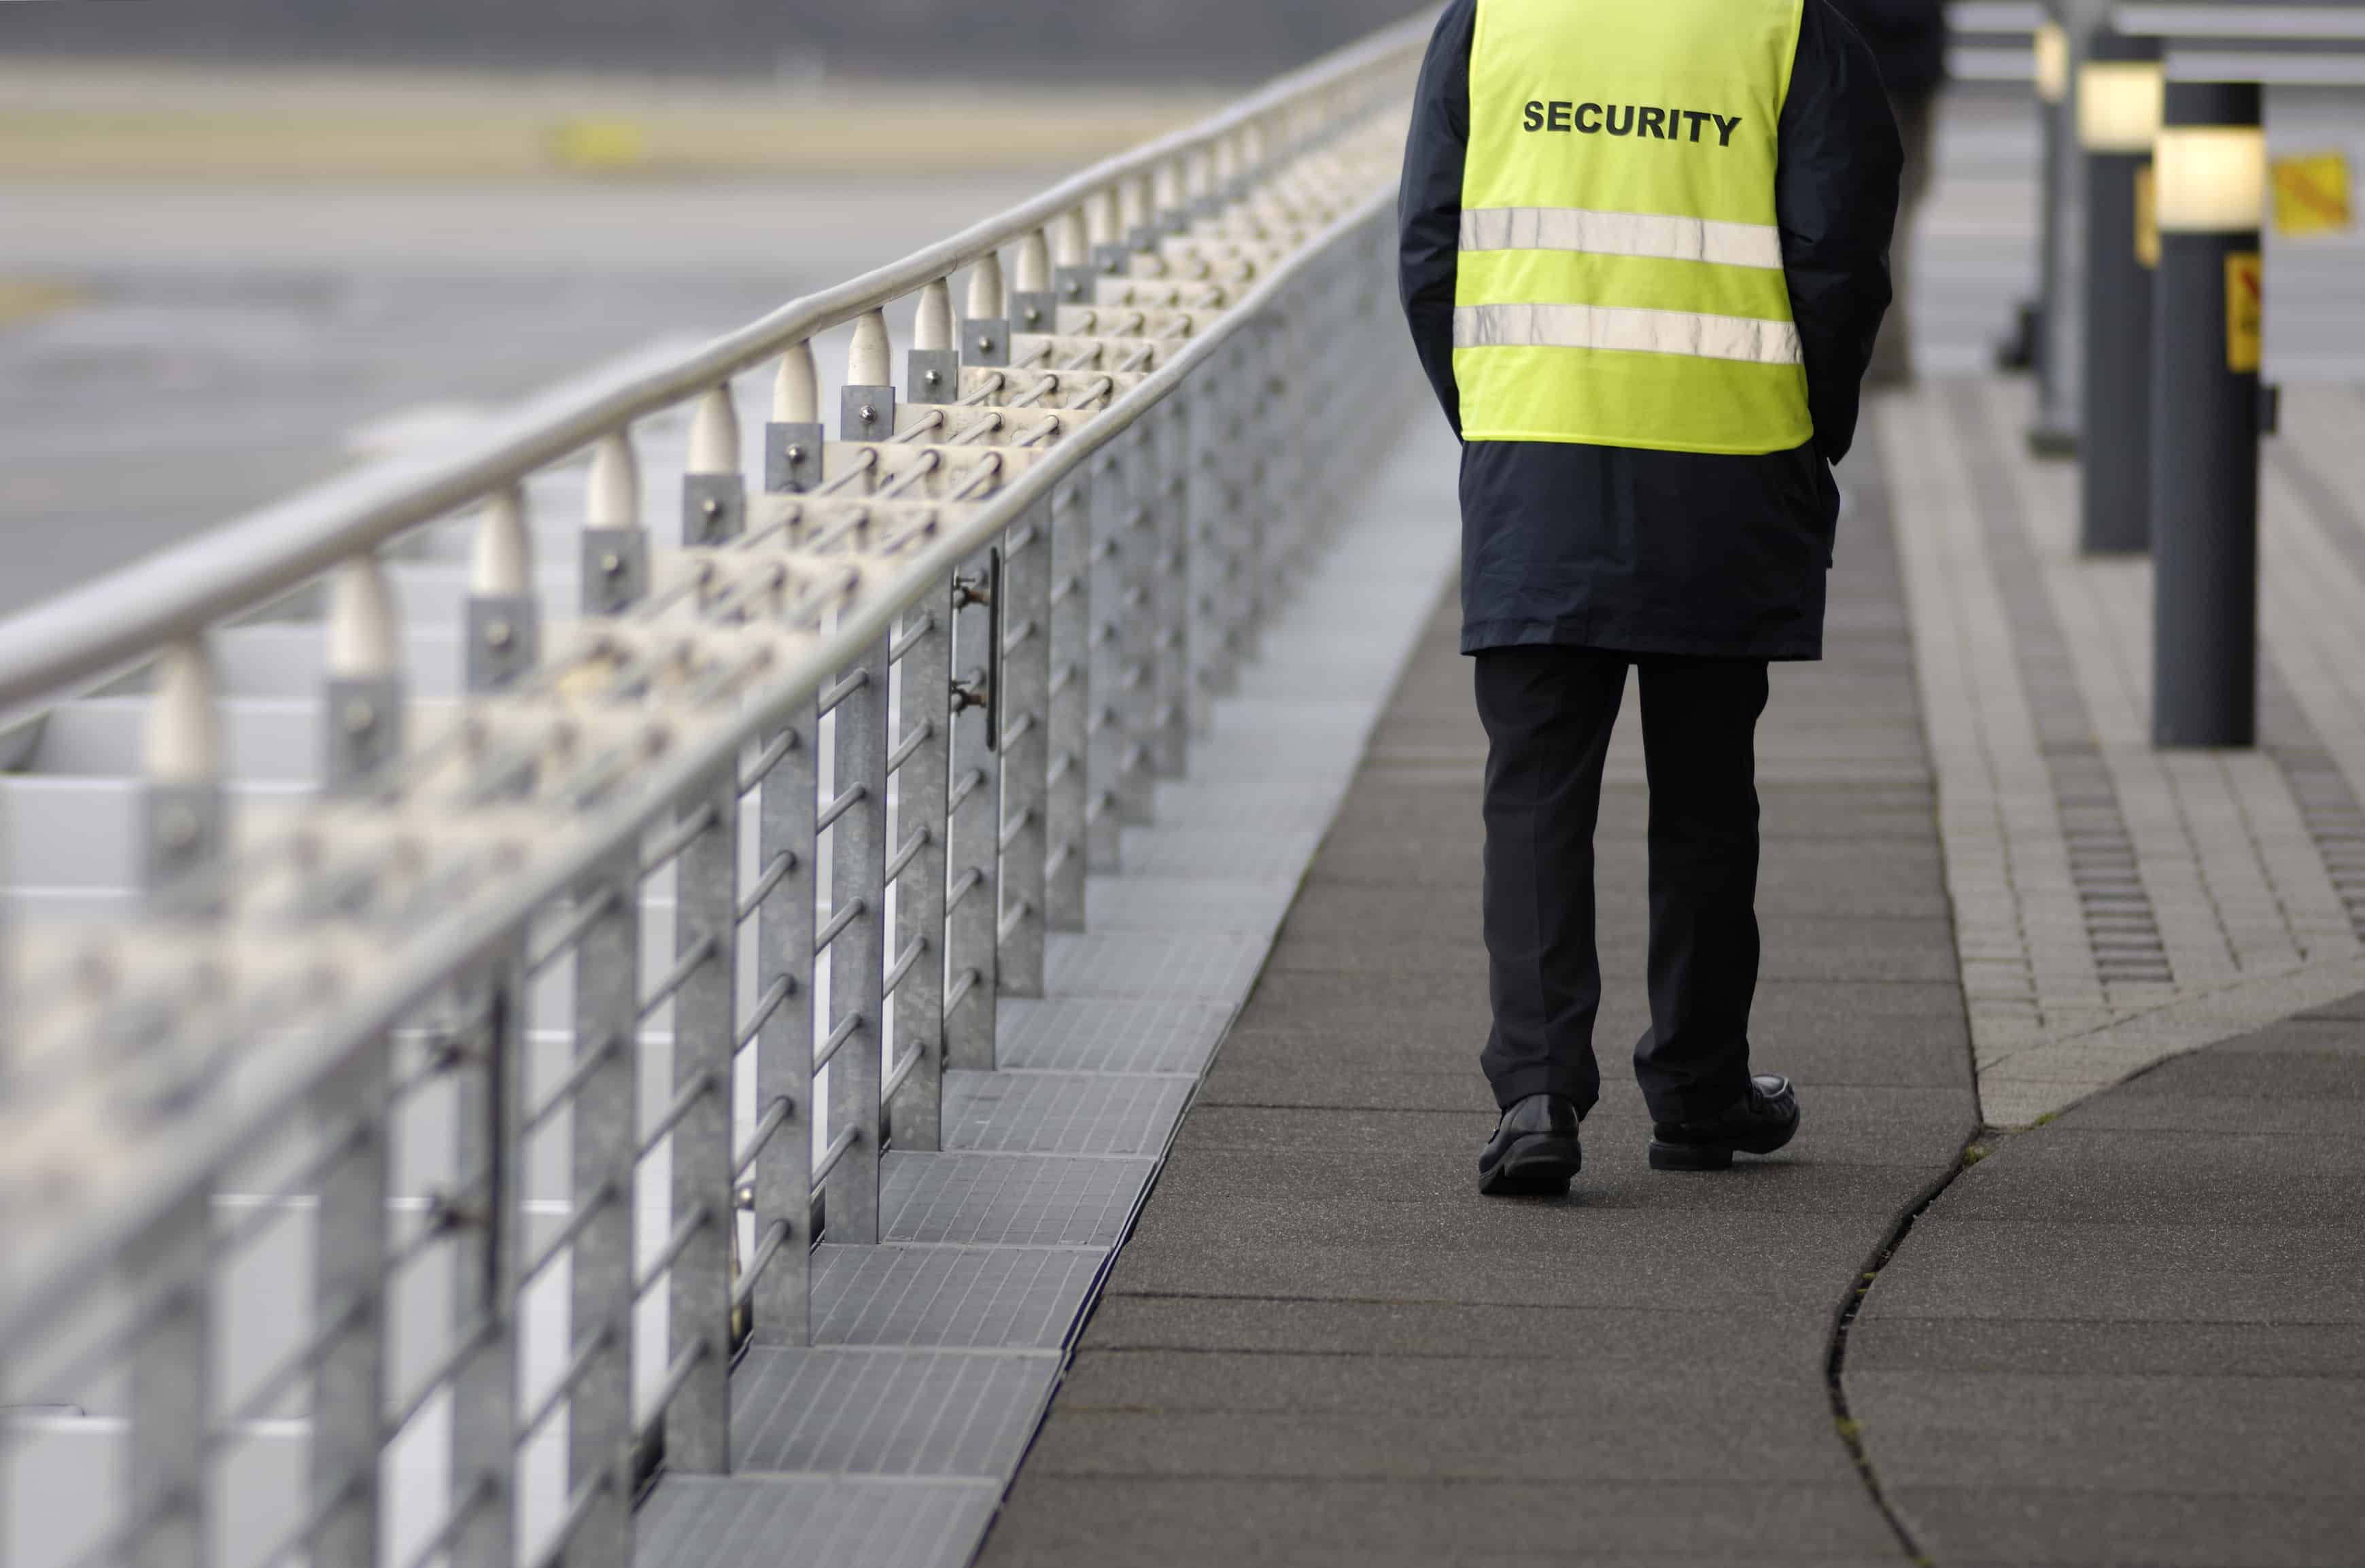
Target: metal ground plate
<point>887,1412</point>
<point>1062,1113</point>
<point>1229,853</point>
<point>1245,906</point>
<point>1206,967</point>
<point>978,1298</point>
<point>1010,1200</point>
<point>1111,1035</point>
<point>704,1522</point>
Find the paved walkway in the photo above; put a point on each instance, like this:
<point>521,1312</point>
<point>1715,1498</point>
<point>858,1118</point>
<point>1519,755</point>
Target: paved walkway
<point>2136,1335</point>
<point>1322,1347</point>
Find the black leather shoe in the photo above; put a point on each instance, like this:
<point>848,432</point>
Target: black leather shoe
<point>1535,1148</point>
<point>1758,1122</point>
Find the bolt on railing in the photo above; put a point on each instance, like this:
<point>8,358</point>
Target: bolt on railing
<point>785,811</point>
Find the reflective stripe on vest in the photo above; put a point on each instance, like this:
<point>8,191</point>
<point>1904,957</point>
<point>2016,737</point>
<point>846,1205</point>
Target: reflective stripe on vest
<point>1689,332</point>
<point>1620,272</point>
<point>1622,234</point>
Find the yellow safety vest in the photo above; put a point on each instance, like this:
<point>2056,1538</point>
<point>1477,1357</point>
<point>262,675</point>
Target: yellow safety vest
<point>1621,271</point>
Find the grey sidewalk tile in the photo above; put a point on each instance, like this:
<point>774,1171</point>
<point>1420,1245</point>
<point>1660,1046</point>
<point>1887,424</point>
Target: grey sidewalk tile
<point>2063,1529</point>
<point>1109,1035</point>
<point>1248,1522</point>
<point>1613,1441</point>
<point>959,1297</point>
<point>709,1522</point>
<point>1887,1342</point>
<point>2073,1173</point>
<point>2197,1437</point>
<point>2263,1114</point>
<point>2004,1269</point>
<point>2323,1070</point>
<point>886,1412</point>
<point>1774,1337</point>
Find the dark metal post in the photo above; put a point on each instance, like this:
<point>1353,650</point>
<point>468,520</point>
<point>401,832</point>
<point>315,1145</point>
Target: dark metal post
<point>2049,436</point>
<point>2212,174</point>
<point>2118,116</point>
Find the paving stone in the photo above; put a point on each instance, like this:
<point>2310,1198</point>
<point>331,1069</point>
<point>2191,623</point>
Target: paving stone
<point>1243,1520</point>
<point>2284,1436</point>
<point>1887,1342</point>
<point>2049,1527</point>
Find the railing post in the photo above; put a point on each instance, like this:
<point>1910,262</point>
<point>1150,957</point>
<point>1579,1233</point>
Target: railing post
<point>856,955</point>
<point>166,1494</point>
<point>364,729</point>
<point>489,1088</point>
<point>934,359</point>
<point>782,1178</point>
<point>973,828</point>
<point>867,402</point>
<point>1132,623</point>
<point>794,439</point>
<point>504,614</point>
<point>713,485</point>
<point>1069,775</point>
<point>1033,296</point>
<point>1108,526</point>
<point>605,1127</point>
<point>705,1037</point>
<point>914,1111</point>
<point>985,331</point>
<point>184,819</point>
<point>615,545</point>
<point>1034,718</point>
<point>349,1304</point>
<point>1170,585</point>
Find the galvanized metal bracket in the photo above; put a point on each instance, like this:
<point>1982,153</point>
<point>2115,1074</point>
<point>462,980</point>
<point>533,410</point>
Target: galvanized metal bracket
<point>713,508</point>
<point>1035,310</point>
<point>986,340</point>
<point>1113,260</point>
<point>615,568</point>
<point>934,375</point>
<point>365,728</point>
<point>793,457</point>
<point>1075,285</point>
<point>504,639</point>
<point>184,828</point>
<point>867,413</point>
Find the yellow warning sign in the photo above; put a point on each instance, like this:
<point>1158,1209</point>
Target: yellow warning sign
<point>2312,194</point>
<point>2146,217</point>
<point>2246,309</point>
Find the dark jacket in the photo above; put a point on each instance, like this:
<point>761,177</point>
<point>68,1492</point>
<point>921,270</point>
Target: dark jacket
<point>1669,552</point>
<point>1908,39</point>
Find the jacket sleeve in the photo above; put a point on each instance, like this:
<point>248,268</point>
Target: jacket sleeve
<point>1428,207</point>
<point>1835,197</point>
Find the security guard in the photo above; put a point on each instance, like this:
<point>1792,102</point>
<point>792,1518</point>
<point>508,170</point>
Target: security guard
<point>1644,257</point>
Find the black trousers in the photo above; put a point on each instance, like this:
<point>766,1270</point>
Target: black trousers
<point>1547,713</point>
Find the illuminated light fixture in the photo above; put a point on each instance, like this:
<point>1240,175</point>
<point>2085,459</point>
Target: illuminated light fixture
<point>2210,159</point>
<point>2120,91</point>
<point>2051,68</point>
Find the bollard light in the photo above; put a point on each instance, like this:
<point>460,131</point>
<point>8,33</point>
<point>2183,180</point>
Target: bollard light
<point>2212,197</point>
<point>2119,89</point>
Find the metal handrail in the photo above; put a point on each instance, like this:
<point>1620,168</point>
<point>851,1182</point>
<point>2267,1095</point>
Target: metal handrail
<point>109,625</point>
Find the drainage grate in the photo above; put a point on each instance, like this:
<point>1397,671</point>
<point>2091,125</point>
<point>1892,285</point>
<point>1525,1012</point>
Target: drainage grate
<point>880,1412</point>
<point>1111,1035</point>
<point>997,1298</point>
<point>696,1521</point>
<point>1010,1200</point>
<point>2122,929</point>
<point>1061,1112</point>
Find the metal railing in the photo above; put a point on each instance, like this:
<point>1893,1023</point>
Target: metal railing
<point>778,820</point>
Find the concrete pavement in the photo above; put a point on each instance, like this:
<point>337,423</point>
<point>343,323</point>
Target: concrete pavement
<point>1322,1346</point>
